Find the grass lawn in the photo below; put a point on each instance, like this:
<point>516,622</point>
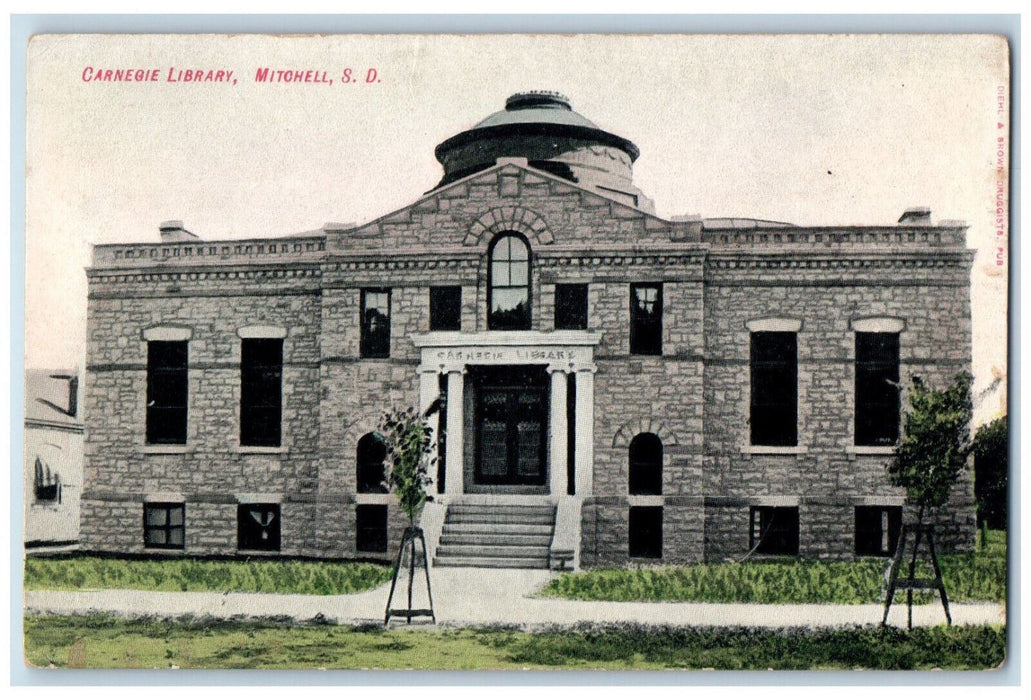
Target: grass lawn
<point>972,577</point>
<point>106,642</point>
<point>267,576</point>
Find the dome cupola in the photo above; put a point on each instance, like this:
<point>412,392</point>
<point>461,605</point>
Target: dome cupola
<point>542,127</point>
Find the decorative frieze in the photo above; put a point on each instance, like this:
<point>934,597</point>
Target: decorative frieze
<point>573,259</point>
<point>205,252</point>
<point>216,275</point>
<point>854,261</point>
<point>855,236</point>
<point>423,263</point>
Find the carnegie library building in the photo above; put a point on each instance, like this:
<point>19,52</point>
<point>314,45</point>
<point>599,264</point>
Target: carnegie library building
<point>617,387</point>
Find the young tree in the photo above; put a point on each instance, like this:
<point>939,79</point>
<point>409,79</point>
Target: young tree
<point>409,440</point>
<point>935,444</point>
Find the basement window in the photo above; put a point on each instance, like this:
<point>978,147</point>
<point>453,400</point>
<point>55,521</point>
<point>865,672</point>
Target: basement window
<point>877,530</point>
<point>371,528</point>
<point>258,526</point>
<point>774,530</point>
<point>164,525</point>
<point>645,530</point>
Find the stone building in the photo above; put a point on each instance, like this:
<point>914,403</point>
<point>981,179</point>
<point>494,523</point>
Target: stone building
<point>619,387</point>
<point>52,474</point>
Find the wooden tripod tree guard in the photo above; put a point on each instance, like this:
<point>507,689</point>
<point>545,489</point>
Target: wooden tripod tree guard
<point>911,583</point>
<point>410,536</point>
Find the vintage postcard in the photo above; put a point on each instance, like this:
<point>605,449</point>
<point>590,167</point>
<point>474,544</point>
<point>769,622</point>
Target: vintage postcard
<point>516,351</point>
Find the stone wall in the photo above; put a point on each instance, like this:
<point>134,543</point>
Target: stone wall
<point>211,472</point>
<point>826,468</point>
<point>694,396</point>
<point>605,532</point>
<point>466,213</point>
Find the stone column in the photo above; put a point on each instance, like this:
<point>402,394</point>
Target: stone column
<point>585,429</point>
<point>559,430</point>
<point>429,391</point>
<point>455,447</point>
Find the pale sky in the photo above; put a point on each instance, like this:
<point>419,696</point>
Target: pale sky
<point>807,129</point>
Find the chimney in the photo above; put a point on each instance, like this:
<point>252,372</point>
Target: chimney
<point>916,216</point>
<point>73,396</point>
<point>173,232</point>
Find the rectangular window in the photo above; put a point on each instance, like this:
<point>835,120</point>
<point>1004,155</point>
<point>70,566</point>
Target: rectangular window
<point>261,391</point>
<point>774,403</point>
<point>774,530</point>
<point>646,319</point>
<point>877,530</point>
<point>571,307</point>
<point>167,392</point>
<point>164,525</point>
<point>375,340</point>
<point>258,526</point>
<point>445,308</point>
<point>646,532</point>
<point>371,528</point>
<point>877,388</point>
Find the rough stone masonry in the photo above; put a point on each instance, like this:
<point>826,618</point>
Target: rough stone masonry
<point>720,281</point>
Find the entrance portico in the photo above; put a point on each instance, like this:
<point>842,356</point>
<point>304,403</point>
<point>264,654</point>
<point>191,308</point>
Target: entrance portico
<point>519,414</point>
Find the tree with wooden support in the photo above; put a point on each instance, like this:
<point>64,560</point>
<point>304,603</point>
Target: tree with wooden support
<point>934,451</point>
<point>409,440</point>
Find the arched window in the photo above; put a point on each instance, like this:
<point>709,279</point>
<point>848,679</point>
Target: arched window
<point>646,465</point>
<point>372,453</point>
<point>509,284</point>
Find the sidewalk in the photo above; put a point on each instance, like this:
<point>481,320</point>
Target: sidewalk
<point>478,597</point>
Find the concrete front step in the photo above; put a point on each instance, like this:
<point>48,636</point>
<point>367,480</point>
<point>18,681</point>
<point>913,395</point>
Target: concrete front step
<point>508,509</point>
<point>496,536</point>
<point>499,529</point>
<point>494,539</point>
<point>501,518</point>
<point>493,562</point>
<point>479,552</point>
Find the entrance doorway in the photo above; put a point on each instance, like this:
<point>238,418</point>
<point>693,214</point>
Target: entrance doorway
<point>511,425</point>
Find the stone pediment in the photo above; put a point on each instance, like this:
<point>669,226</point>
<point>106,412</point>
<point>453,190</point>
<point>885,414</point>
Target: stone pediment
<point>510,196</point>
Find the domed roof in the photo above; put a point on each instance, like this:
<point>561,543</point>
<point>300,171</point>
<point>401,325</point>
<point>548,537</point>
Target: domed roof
<point>537,107</point>
<point>536,113</point>
<point>542,127</point>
